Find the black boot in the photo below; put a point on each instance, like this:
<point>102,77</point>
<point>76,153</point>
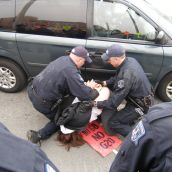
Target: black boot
<point>34,136</point>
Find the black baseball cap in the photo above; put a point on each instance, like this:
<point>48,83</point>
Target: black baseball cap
<point>113,51</point>
<point>81,52</point>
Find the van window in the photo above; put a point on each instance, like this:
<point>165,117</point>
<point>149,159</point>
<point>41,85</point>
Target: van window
<point>7,14</point>
<point>62,18</point>
<point>116,20</point>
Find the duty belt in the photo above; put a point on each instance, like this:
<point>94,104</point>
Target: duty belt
<point>52,104</point>
<point>142,103</point>
<point>147,100</point>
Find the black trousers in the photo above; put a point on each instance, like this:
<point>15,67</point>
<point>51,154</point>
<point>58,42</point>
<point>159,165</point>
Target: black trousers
<point>45,108</point>
<point>119,121</point>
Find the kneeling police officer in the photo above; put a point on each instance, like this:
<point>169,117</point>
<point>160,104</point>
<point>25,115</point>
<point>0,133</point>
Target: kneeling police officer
<point>148,148</point>
<point>129,83</point>
<point>49,89</point>
<point>18,155</point>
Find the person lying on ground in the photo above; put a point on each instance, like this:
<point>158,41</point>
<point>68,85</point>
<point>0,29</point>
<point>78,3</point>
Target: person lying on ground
<point>81,113</point>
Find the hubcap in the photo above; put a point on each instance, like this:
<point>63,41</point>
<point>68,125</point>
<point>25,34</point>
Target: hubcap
<point>7,78</point>
<point>169,90</point>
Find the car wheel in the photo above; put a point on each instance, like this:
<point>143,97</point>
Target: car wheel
<point>12,77</point>
<point>165,88</point>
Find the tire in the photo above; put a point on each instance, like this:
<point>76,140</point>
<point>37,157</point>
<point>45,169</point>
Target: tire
<point>164,90</point>
<point>12,77</point>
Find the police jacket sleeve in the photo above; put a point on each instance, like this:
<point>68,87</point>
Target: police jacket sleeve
<point>31,158</point>
<point>3,127</point>
<point>77,87</point>
<point>137,153</point>
<point>120,91</point>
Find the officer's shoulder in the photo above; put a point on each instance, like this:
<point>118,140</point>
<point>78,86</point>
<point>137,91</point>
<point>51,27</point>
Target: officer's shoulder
<point>132,59</point>
<point>133,62</point>
<point>159,111</point>
<point>155,113</point>
<point>69,67</point>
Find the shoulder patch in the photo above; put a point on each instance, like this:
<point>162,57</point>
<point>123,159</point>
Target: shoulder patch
<point>121,83</point>
<point>48,168</point>
<point>137,133</point>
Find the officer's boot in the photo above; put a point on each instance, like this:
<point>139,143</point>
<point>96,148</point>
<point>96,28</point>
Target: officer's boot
<point>34,137</point>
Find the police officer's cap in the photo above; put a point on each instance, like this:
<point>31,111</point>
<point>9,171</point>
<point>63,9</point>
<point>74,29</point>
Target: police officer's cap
<point>80,51</point>
<point>113,51</point>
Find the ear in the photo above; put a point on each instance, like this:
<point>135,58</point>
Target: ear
<point>117,59</point>
<point>80,59</point>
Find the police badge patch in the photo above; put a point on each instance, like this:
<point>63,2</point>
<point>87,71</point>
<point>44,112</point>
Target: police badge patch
<point>121,83</point>
<point>138,133</point>
<point>48,168</point>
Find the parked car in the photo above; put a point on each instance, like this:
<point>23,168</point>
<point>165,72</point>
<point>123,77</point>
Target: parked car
<point>35,32</point>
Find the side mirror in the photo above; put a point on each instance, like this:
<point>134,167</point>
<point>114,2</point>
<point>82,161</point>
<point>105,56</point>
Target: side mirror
<point>161,38</point>
<point>160,35</point>
<point>150,36</point>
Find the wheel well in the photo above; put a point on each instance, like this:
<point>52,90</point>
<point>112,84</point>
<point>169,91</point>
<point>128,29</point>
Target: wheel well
<point>8,59</point>
<point>162,79</point>
<point>161,89</point>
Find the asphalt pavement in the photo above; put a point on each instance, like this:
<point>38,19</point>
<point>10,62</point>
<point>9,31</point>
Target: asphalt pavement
<point>17,113</point>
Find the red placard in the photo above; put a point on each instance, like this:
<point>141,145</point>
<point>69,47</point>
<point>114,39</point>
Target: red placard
<point>97,138</point>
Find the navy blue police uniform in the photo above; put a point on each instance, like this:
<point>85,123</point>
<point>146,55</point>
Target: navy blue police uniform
<point>129,83</point>
<point>148,148</point>
<point>60,78</point>
<point>18,155</point>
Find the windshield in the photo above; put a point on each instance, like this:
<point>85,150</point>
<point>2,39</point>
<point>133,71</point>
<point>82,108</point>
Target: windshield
<point>163,8</point>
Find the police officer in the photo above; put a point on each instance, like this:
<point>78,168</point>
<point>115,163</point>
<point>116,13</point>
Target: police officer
<point>148,148</point>
<point>59,79</point>
<point>18,155</point>
<point>130,83</point>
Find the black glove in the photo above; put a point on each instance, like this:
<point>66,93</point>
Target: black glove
<point>99,82</point>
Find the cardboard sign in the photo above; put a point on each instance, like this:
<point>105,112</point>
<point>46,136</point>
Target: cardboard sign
<point>97,138</point>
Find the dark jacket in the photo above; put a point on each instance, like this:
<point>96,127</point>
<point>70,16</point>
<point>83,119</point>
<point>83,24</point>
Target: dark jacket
<point>61,77</point>
<point>18,155</point>
<point>130,80</point>
<point>148,148</point>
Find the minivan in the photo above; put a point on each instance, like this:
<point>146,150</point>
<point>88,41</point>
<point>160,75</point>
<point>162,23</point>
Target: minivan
<point>35,32</point>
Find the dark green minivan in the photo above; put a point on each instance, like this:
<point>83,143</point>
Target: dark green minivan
<point>35,32</point>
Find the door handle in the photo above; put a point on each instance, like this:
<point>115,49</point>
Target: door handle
<point>95,54</point>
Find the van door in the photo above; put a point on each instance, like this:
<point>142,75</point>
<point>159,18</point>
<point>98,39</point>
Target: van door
<point>8,48</point>
<point>46,29</point>
<point>114,22</point>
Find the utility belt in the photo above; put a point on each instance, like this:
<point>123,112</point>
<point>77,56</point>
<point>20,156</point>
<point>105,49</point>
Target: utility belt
<point>142,103</point>
<point>145,102</point>
<point>53,105</point>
